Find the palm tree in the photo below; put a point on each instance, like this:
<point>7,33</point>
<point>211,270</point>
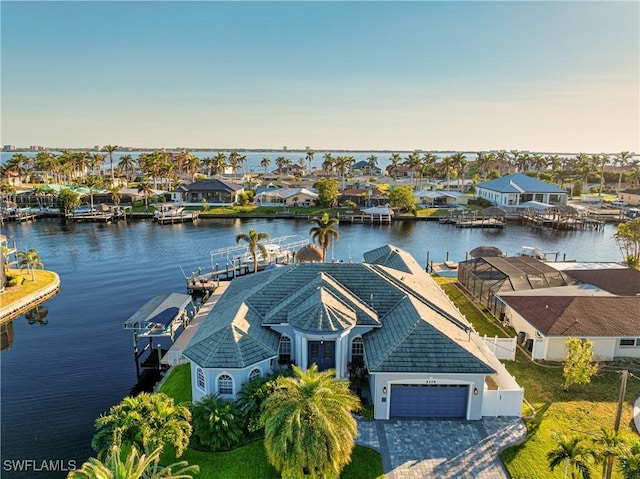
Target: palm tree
<point>126,165</point>
<point>219,164</point>
<point>309,428</point>
<point>309,158</point>
<point>630,460</point>
<point>253,239</point>
<point>134,466</point>
<point>145,188</point>
<point>395,161</point>
<point>234,162</point>
<point>502,159</point>
<point>110,149</point>
<point>609,443</point>
<point>147,422</point>
<point>445,167</point>
<point>324,232</point>
<point>574,454</point>
<point>265,163</point>
<point>29,260</point>
<point>327,163</point>
<point>412,161</point>
<point>281,162</point>
<point>459,163</point>
<point>601,161</point>
<point>372,162</point>
<point>116,195</point>
<point>622,160</point>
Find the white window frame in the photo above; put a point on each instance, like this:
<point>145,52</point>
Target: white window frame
<point>223,377</point>
<point>636,343</point>
<point>201,378</point>
<point>284,339</point>
<point>253,376</point>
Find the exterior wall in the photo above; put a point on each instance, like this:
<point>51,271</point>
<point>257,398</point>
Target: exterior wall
<point>603,348</point>
<point>627,351</point>
<point>520,324</point>
<point>631,198</point>
<point>381,401</point>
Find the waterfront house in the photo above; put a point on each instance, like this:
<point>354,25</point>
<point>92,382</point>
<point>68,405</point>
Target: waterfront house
<point>383,320</point>
<point>285,197</point>
<point>630,196</point>
<point>518,188</point>
<point>362,168</point>
<point>364,196</point>
<point>215,191</point>
<point>432,199</point>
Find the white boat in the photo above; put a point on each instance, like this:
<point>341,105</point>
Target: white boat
<point>168,210</point>
<point>273,252</point>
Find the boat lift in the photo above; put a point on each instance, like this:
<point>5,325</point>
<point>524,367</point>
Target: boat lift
<point>160,317</point>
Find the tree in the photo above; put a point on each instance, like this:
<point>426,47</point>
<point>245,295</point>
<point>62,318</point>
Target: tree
<point>309,158</point>
<point>254,238</point>
<point>447,165</point>
<point>116,195</point>
<point>328,191</point>
<point>327,163</point>
<point>110,149</point>
<point>578,365</point>
<point>574,454</point>
<point>627,237</point>
<point>309,428</point>
<point>459,163</point>
<point>251,398</point>
<point>630,460</point>
<point>608,443</point>
<point>324,232</point>
<point>217,424</point>
<point>133,466</point>
<point>401,198</point>
<point>145,188</point>
<point>146,422</point>
<point>67,200</point>
<point>265,163</point>
<point>126,165</point>
<point>621,160</point>
<point>29,260</point>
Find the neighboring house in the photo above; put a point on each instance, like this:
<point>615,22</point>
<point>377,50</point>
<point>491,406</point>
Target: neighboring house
<point>361,168</point>
<point>364,196</point>
<point>456,185</point>
<point>384,317</point>
<point>285,197</point>
<point>630,196</point>
<point>213,190</point>
<point>400,171</point>
<point>513,190</point>
<point>440,198</point>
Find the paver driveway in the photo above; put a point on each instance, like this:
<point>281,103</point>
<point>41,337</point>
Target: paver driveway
<point>447,448</point>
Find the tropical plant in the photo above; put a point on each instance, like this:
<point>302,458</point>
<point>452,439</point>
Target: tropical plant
<point>110,149</point>
<point>328,191</point>
<point>327,163</point>
<point>147,421</point>
<point>309,157</point>
<point>608,444</point>
<point>253,239</point>
<point>29,260</point>
<point>67,200</point>
<point>126,165</point>
<point>309,427</point>
<point>324,232</point>
<point>217,424</point>
<point>251,399</point>
<point>147,190</point>
<point>574,454</point>
<point>627,237</point>
<point>629,463</point>
<point>265,163</point>
<point>401,198</point>
<point>133,466</point>
<point>578,363</point>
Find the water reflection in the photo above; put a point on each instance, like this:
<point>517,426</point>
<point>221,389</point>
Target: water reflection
<point>6,336</point>
<point>37,315</point>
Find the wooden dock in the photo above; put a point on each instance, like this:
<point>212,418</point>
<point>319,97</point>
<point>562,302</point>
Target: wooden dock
<point>480,223</point>
<point>177,218</point>
<point>365,219</point>
<point>562,221</point>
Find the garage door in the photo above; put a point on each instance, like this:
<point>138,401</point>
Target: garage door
<point>418,400</point>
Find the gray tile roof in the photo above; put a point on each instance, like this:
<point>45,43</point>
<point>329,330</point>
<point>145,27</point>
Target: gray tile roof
<point>322,312</point>
<point>388,255</point>
<point>517,182</point>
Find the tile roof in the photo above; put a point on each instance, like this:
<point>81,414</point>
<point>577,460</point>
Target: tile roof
<point>518,183</point>
<point>212,184</point>
<point>610,316</point>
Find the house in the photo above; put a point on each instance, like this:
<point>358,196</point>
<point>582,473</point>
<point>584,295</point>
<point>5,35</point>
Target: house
<point>285,197</point>
<point>515,189</point>
<point>630,196</point>
<point>362,168</point>
<point>364,196</point>
<point>384,319</point>
<point>440,198</point>
<point>213,190</point>
<point>594,301</point>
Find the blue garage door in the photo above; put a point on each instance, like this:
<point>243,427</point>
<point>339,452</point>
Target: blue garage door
<point>418,400</point>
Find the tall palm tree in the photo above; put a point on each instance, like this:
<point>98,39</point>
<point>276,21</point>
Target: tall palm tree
<point>234,162</point>
<point>327,163</point>
<point>147,422</point>
<point>622,160</point>
<point>324,232</point>
<point>393,168</point>
<point>110,149</point>
<point>253,239</point>
<point>309,158</point>
<point>573,453</point>
<point>126,165</point>
<point>609,443</point>
<point>309,428</point>
<point>29,260</point>
<point>116,195</point>
<point>630,460</point>
<point>446,166</point>
<point>265,163</point>
<point>134,466</point>
<point>600,161</point>
<point>372,162</point>
<point>219,163</point>
<point>281,162</point>
<point>459,163</point>
<point>412,161</point>
<point>146,189</point>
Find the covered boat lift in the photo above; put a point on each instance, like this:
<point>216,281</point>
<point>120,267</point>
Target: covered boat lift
<point>160,317</point>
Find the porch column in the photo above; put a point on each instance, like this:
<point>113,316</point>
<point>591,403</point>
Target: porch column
<point>339,356</point>
<point>303,353</point>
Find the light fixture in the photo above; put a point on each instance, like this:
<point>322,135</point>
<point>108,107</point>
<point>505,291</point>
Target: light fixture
<point>475,391</point>
<point>384,389</point>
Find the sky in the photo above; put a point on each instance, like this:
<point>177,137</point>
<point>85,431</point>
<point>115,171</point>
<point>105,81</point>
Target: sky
<point>451,75</point>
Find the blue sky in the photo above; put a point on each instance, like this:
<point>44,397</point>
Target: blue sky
<point>540,76</point>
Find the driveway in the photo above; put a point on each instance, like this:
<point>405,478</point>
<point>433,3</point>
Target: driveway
<point>446,448</point>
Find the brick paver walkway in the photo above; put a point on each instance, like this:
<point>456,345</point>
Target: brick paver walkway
<point>443,449</point>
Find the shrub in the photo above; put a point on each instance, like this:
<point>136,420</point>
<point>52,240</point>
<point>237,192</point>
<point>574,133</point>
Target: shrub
<point>217,424</point>
<point>15,280</point>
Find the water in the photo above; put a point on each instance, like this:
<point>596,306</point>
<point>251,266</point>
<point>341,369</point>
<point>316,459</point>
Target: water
<point>57,378</point>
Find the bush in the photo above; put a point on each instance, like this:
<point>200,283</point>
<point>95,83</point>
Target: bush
<point>217,424</point>
<point>15,280</point>
<point>251,400</point>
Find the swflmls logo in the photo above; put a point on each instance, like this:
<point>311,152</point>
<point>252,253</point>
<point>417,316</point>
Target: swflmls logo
<point>32,465</point>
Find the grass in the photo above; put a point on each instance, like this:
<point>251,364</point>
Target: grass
<point>43,278</point>
<point>250,460</point>
<point>584,409</point>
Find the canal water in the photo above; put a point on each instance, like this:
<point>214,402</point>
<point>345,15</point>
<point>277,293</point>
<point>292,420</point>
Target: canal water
<point>60,371</point>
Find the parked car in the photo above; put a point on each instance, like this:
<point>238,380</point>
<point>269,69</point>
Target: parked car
<point>619,203</point>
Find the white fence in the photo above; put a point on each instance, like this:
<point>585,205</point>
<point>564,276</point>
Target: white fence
<point>503,348</point>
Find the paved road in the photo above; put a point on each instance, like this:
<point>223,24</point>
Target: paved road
<point>443,449</point>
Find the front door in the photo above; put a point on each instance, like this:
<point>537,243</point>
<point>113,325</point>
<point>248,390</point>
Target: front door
<point>323,353</point>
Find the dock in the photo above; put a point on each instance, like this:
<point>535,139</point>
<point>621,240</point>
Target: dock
<point>561,220</point>
<point>179,217</point>
<point>480,223</point>
<point>174,354</point>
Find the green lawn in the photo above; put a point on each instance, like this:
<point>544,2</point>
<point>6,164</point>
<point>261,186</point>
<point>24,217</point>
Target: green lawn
<point>250,461</point>
<point>582,410</point>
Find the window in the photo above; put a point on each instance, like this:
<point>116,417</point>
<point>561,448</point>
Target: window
<point>200,377</point>
<point>357,351</point>
<point>630,342</point>
<point>285,350</point>
<point>225,384</point>
<point>255,374</point>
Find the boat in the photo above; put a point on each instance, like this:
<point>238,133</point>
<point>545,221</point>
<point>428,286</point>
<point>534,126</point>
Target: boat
<point>273,253</point>
<point>168,210</point>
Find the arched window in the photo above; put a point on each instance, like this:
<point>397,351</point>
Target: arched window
<point>225,384</point>
<point>254,374</point>
<point>357,352</point>
<point>284,356</point>
<point>201,379</point>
